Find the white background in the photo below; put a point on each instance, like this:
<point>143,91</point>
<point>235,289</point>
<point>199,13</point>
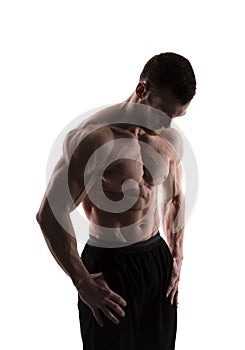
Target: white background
<point>61,58</point>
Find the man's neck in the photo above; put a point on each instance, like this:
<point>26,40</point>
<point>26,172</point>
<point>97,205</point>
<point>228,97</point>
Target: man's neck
<point>135,99</point>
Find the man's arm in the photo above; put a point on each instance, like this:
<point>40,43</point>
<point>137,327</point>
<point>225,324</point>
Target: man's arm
<point>173,215</point>
<point>173,209</point>
<point>64,193</point>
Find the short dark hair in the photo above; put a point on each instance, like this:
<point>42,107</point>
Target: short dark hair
<point>173,71</point>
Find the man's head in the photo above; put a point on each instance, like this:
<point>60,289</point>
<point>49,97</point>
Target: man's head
<point>168,83</point>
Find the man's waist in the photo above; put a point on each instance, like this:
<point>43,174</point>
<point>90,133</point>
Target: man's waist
<point>139,241</point>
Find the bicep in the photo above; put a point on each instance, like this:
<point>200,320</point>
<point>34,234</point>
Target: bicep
<point>177,178</point>
<point>64,190</point>
<point>65,187</point>
<point>172,186</point>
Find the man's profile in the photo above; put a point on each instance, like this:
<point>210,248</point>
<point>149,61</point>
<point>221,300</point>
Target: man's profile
<point>114,163</point>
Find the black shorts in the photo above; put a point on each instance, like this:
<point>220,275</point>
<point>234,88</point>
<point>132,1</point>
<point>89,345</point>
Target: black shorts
<point>140,273</point>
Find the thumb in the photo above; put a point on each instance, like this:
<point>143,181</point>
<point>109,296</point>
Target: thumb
<point>97,274</point>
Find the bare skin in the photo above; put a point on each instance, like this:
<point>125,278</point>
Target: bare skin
<point>93,288</point>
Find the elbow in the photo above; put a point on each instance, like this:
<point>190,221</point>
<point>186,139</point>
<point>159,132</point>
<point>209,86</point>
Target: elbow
<point>39,217</point>
<point>180,197</point>
<point>178,200</point>
<point>43,213</point>
<point>42,217</point>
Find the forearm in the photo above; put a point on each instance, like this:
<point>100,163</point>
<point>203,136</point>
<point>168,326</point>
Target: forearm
<point>62,243</point>
<point>173,225</point>
<point>175,241</point>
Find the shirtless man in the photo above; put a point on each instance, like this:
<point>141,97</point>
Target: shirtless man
<point>127,276</point>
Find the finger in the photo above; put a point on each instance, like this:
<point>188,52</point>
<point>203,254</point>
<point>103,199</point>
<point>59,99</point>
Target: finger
<point>177,298</point>
<point>115,307</point>
<point>170,291</point>
<point>117,298</point>
<point>170,288</point>
<point>97,316</point>
<point>108,313</point>
<point>173,294</point>
<point>98,274</point>
<point>172,284</point>
<point>170,296</point>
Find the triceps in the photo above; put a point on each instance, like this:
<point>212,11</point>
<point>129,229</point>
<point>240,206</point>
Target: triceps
<point>173,200</point>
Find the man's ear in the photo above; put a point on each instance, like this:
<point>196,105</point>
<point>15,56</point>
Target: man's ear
<point>141,89</point>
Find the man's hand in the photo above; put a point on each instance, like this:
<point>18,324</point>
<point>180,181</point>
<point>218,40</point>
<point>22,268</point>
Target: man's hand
<point>95,292</point>
<point>172,289</point>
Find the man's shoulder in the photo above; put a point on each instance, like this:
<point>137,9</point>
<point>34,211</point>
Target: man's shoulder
<point>88,135</point>
<point>174,139</point>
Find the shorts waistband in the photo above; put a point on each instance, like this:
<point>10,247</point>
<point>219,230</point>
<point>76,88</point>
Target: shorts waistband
<point>122,246</point>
